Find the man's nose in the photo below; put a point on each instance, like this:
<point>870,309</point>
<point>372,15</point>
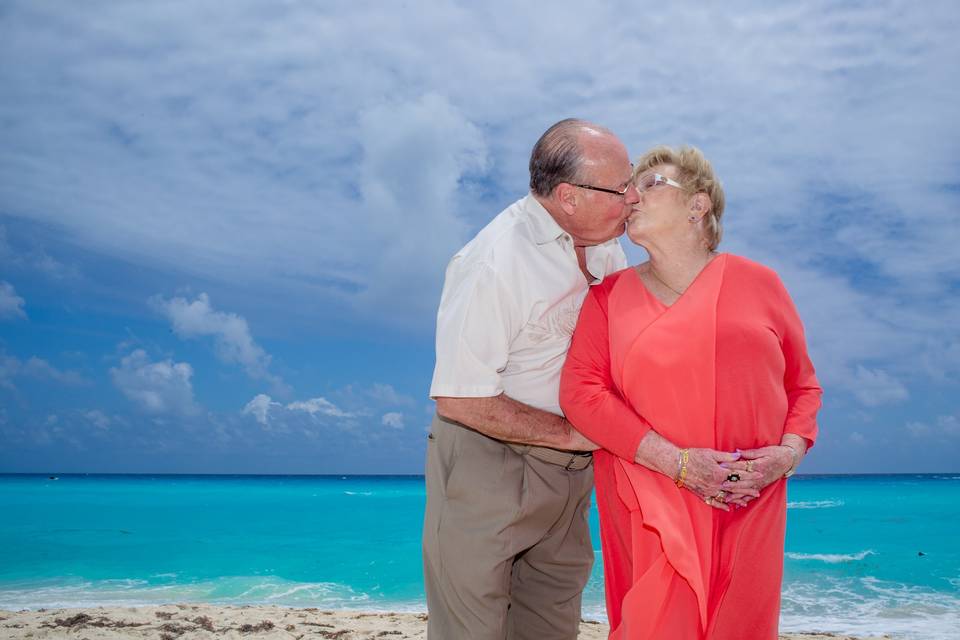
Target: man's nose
<point>632,196</point>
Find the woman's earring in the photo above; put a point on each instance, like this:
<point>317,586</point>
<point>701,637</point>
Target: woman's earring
<point>692,219</point>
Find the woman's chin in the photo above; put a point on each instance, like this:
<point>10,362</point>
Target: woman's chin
<point>635,235</point>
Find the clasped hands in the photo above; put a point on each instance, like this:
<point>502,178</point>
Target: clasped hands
<point>722,479</point>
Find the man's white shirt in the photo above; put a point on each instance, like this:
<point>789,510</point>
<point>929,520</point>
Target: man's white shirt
<point>510,302</point>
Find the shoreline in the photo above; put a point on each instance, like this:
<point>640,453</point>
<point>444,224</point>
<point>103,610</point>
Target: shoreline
<point>203,621</point>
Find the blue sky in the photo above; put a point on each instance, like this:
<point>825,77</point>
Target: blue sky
<point>223,226</point>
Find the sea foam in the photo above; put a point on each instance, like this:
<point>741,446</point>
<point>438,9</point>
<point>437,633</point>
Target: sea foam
<point>867,607</point>
<point>815,504</point>
<point>831,558</point>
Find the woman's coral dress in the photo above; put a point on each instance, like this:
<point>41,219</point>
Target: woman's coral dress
<point>724,367</point>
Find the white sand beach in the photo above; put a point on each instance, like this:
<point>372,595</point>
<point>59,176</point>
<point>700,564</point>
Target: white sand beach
<point>201,621</point>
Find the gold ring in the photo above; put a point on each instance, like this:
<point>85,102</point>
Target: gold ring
<point>707,499</point>
<point>720,496</point>
<point>749,465</point>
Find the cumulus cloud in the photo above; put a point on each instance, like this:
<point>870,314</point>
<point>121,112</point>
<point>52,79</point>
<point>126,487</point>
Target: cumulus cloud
<point>11,305</point>
<point>362,414</point>
<point>39,368</point>
<point>388,395</point>
<point>230,332</point>
<point>259,408</point>
<point>320,406</point>
<point>262,406</point>
<point>875,387</point>
<point>31,259</point>
<point>36,368</point>
<point>155,387</point>
<point>945,428</point>
<point>98,418</point>
<point>831,125</point>
<point>393,420</point>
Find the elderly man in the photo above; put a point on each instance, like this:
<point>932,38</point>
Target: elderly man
<point>506,542</point>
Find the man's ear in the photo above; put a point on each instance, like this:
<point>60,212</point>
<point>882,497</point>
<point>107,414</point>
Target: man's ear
<point>566,195</point>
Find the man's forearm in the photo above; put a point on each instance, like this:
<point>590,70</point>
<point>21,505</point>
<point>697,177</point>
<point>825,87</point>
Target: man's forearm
<point>504,418</point>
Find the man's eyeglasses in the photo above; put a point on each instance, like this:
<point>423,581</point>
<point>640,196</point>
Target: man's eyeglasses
<point>652,180</point>
<point>621,192</point>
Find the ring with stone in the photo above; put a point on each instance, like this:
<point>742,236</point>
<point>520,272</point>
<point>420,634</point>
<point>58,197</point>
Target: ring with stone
<point>734,477</point>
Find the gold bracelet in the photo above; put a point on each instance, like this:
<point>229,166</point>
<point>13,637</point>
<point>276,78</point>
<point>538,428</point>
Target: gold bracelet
<point>682,474</point>
<point>796,461</point>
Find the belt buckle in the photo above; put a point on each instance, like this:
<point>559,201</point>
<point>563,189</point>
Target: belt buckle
<point>573,458</point>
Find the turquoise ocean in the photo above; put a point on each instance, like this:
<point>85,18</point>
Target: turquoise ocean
<point>864,554</point>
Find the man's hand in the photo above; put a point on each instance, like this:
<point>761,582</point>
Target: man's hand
<point>578,441</point>
<point>504,418</point>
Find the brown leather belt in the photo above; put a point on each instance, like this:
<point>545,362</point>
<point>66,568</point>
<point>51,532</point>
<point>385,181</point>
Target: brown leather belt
<point>569,460</point>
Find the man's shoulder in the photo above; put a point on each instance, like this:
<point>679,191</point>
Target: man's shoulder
<point>504,238</point>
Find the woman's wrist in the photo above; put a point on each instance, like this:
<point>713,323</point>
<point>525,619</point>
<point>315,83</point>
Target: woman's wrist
<point>795,458</point>
<point>658,454</point>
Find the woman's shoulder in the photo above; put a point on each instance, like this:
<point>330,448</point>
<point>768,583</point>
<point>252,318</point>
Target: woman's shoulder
<point>751,271</point>
<point>611,279</point>
<point>602,291</point>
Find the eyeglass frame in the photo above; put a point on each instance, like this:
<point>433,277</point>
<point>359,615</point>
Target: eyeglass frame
<point>658,180</point>
<point>622,193</point>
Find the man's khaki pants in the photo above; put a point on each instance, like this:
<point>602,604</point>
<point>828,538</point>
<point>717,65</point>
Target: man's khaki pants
<point>506,543</point>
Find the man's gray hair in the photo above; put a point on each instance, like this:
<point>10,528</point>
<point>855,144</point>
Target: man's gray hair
<point>558,155</point>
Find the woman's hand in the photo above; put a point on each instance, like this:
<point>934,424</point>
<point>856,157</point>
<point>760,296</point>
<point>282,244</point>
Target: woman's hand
<point>704,473</point>
<point>759,468</point>
<point>707,476</point>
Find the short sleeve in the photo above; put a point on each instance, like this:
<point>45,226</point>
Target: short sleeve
<point>477,321</point>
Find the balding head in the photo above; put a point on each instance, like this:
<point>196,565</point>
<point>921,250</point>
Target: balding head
<point>558,155</point>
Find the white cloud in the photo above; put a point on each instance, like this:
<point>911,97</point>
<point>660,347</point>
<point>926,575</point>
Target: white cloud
<point>33,259</point>
<point>11,305</point>
<point>918,429</point>
<point>857,438</point>
<point>320,406</point>
<point>348,412</point>
<point>386,394</point>
<point>9,367</point>
<point>945,428</point>
<point>156,387</point>
<point>393,420</point>
<point>231,334</point>
<point>98,419</point>
<point>949,425</point>
<point>875,387</point>
<point>831,125</point>
<point>260,407</point>
<point>37,368</point>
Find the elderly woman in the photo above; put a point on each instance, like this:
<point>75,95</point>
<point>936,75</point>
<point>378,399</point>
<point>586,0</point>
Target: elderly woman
<point>673,363</point>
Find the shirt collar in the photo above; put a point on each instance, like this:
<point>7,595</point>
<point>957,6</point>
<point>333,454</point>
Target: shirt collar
<point>545,228</point>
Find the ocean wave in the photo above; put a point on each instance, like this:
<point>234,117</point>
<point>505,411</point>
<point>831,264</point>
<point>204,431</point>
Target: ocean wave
<point>815,504</point>
<point>831,558</point>
<point>359,493</point>
<point>238,590</point>
<point>869,606</point>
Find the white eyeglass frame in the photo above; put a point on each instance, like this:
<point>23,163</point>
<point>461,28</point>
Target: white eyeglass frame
<point>658,180</point>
